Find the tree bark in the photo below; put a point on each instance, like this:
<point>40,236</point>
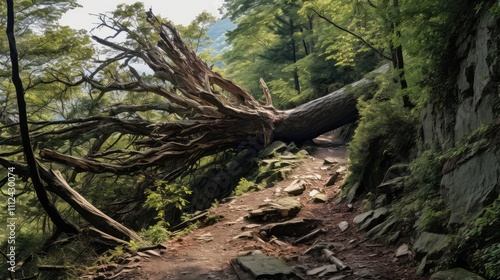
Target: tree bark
<point>321,115</point>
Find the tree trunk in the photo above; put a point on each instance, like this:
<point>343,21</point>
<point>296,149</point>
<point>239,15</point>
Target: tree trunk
<point>321,115</point>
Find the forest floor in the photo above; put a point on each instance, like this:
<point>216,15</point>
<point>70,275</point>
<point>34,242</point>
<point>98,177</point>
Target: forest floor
<point>206,253</point>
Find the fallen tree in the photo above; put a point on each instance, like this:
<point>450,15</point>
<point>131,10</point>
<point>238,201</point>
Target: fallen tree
<point>217,113</point>
<point>216,116</point>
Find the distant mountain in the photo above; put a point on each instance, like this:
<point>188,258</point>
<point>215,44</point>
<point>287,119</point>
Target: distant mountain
<point>218,34</point>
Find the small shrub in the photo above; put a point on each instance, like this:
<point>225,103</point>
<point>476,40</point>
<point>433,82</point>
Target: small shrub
<point>435,215</point>
<point>426,169</point>
<point>164,196</point>
<point>157,233</point>
<point>245,186</point>
<point>491,260</point>
<point>483,237</point>
<point>385,130</point>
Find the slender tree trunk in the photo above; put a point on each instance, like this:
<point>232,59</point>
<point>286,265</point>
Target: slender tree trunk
<point>47,205</point>
<point>296,81</point>
<point>397,57</point>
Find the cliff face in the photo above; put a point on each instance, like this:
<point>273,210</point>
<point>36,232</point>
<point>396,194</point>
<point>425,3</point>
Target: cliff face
<point>471,177</point>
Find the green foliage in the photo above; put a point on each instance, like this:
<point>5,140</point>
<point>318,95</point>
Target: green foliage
<point>157,233</point>
<point>472,143</point>
<point>487,222</point>
<point>286,44</point>
<point>163,196</point>
<point>245,186</point>
<point>495,10</point>
<point>434,216</point>
<point>491,259</point>
<point>195,34</point>
<point>483,237</point>
<point>426,169</point>
<point>384,129</point>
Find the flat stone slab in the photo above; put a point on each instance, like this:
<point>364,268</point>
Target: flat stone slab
<point>359,219</point>
<point>294,227</point>
<point>322,270</point>
<point>287,207</point>
<point>297,187</point>
<point>378,217</point>
<point>260,266</point>
<point>393,186</point>
<point>333,179</point>
<point>330,160</point>
<point>275,147</point>
<point>244,235</point>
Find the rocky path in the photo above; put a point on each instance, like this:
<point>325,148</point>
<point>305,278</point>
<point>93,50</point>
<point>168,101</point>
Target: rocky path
<point>209,252</point>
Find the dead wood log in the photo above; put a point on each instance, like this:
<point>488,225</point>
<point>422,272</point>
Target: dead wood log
<point>309,236</point>
<point>331,258</point>
<point>58,185</point>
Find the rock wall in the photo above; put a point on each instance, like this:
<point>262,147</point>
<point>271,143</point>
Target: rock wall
<point>473,180</point>
<point>476,93</point>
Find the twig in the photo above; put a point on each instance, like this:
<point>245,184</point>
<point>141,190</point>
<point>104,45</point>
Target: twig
<point>353,34</point>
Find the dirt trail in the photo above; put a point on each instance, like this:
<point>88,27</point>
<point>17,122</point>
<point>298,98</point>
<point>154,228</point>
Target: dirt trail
<point>206,253</point>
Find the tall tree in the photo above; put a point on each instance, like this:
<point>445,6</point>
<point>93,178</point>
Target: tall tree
<point>195,34</point>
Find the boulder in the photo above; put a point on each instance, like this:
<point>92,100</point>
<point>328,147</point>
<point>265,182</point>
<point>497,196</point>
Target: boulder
<point>455,274</point>
<point>381,200</point>
<point>320,198</point>
<point>431,245</point>
<point>343,226</point>
<point>422,267</point>
<point>353,192</point>
<point>330,160</point>
<point>403,250</point>
<point>379,231</point>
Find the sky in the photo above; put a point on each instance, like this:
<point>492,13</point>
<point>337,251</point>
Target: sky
<point>178,11</point>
